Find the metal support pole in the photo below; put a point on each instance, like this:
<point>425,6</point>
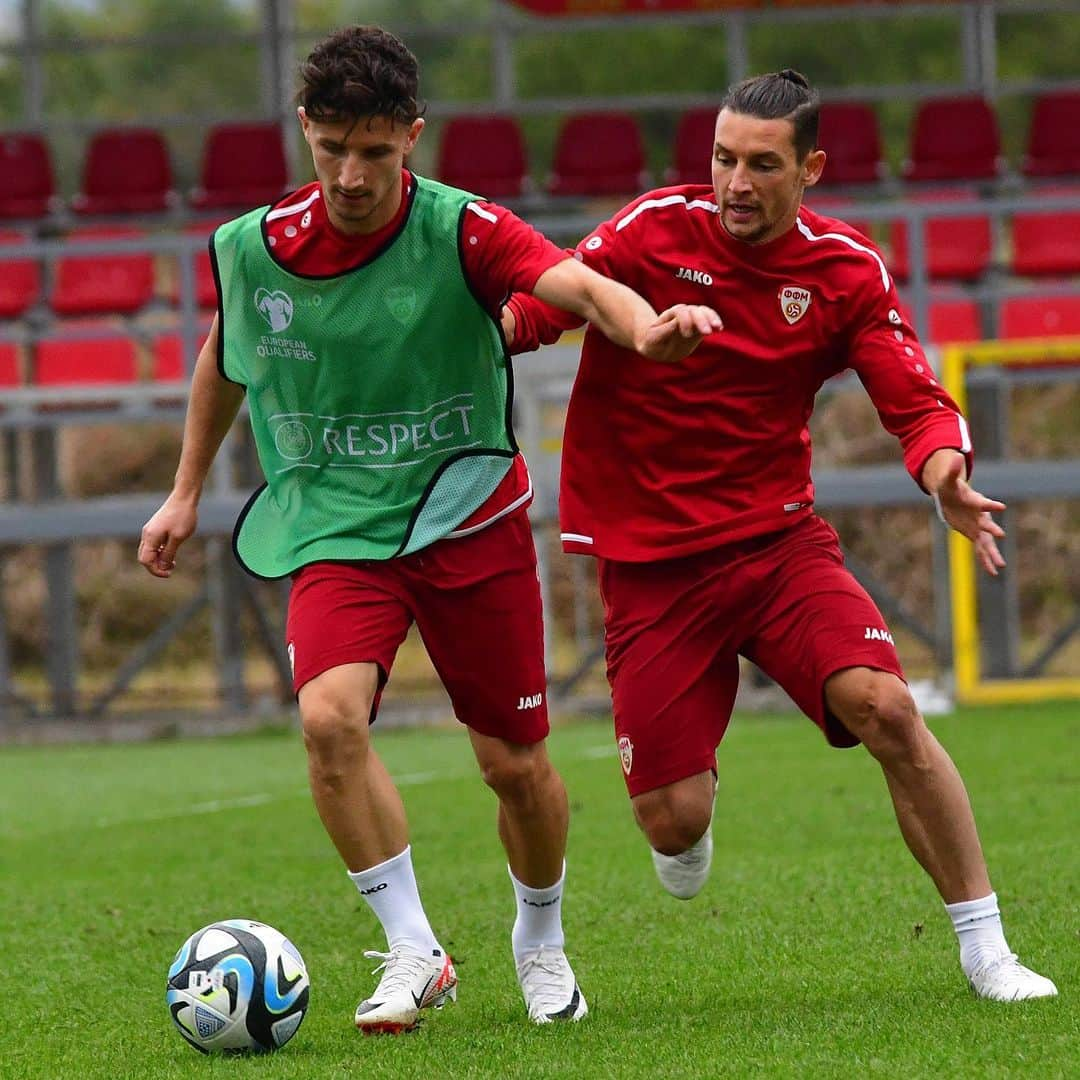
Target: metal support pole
<point>62,620</point>
<point>738,56</point>
<point>998,598</point>
<point>939,562</point>
<point>33,77</point>
<point>227,601</point>
<point>504,76</point>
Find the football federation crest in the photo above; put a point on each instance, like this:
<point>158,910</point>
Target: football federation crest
<point>794,302</point>
<point>401,300</point>
<point>626,753</point>
<point>275,307</point>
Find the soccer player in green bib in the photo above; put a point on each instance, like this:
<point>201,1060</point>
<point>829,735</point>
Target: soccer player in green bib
<point>359,317</point>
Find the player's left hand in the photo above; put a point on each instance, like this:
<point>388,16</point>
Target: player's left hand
<point>677,332</point>
<point>969,512</point>
<point>508,324</point>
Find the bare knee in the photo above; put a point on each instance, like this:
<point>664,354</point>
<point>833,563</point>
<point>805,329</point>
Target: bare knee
<point>675,817</point>
<point>517,774</point>
<point>335,725</point>
<point>878,709</point>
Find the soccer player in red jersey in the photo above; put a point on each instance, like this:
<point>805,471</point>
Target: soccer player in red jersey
<point>690,483</point>
<point>359,315</point>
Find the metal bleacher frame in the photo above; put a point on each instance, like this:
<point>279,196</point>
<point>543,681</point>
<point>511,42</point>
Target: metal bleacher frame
<point>58,523</point>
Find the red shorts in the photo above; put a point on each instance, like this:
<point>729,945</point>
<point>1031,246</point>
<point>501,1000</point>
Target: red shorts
<point>476,602</point>
<point>675,630</point>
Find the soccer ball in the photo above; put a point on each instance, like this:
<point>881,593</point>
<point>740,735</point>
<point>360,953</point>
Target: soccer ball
<point>237,985</point>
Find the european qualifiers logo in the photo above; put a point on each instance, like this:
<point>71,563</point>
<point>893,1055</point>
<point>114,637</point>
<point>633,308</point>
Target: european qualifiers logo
<point>275,307</point>
<point>794,302</point>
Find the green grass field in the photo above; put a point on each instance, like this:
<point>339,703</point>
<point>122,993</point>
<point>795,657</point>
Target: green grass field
<point>817,949</point>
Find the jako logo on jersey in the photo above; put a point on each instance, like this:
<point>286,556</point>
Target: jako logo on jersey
<point>626,753</point>
<point>874,634</point>
<point>275,307</point>
<point>794,302</point>
<point>698,277</point>
<point>531,702</point>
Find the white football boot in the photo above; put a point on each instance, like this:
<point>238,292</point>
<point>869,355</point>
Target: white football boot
<point>411,980</point>
<point>1006,979</point>
<point>550,989</point>
<point>684,874</point>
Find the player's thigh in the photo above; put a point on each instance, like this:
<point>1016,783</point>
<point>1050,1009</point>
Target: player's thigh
<point>345,613</point>
<point>673,671</point>
<point>815,620</point>
<point>478,610</point>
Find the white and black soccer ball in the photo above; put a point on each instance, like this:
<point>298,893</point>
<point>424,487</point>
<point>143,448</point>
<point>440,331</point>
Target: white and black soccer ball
<point>237,985</point>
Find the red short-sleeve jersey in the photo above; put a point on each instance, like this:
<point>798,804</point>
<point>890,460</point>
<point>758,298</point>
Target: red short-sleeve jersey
<point>500,254</point>
<point>664,460</point>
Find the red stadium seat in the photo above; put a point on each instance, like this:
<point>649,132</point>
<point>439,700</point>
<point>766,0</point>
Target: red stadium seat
<point>27,187</point>
<point>1053,147</point>
<point>954,320</point>
<point>168,361</point>
<point>205,289</point>
<point>1047,243</point>
<point>243,167</point>
<point>1040,316</point>
<point>20,280</point>
<point>485,155</point>
<point>10,368</point>
<point>957,248</point>
<point>102,283</point>
<point>85,361</point>
<point>693,149</point>
<point>598,154</point>
<point>849,135</point>
<point>954,138</point>
<point>126,171</point>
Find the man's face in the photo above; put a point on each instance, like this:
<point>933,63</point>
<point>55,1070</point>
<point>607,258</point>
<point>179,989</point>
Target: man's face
<point>358,164</point>
<point>757,178</point>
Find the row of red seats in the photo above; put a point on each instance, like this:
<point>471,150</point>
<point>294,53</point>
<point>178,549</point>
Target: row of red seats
<point>128,170</point>
<point>91,361</point>
<point>1043,244</point>
<point>953,138</point>
<point>101,360</point>
<point>97,283</point>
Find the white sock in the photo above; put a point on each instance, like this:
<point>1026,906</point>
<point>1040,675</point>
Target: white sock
<point>978,928</point>
<point>539,916</point>
<point>391,892</point>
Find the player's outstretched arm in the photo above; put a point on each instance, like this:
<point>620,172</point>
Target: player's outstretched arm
<point>623,316</point>
<point>212,407</point>
<point>963,508</point>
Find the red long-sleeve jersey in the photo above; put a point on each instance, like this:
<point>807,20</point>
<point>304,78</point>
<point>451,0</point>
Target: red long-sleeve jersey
<point>664,460</point>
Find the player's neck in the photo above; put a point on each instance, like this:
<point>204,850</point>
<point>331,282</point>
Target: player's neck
<point>381,217</point>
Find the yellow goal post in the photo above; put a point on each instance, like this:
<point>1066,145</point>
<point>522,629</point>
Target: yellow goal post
<point>970,687</point>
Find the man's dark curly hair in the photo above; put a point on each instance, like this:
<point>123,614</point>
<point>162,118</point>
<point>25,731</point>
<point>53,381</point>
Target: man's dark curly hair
<point>360,71</point>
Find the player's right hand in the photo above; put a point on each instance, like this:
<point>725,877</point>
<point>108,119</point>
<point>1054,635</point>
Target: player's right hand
<point>678,331</point>
<point>173,523</point>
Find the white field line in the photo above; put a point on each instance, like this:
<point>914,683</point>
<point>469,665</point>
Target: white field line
<point>261,798</point>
